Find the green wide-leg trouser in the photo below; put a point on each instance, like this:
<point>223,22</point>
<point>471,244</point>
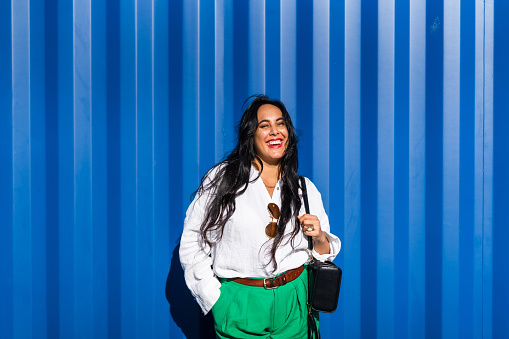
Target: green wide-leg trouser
<point>245,311</point>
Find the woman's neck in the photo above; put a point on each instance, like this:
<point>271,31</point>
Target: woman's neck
<point>269,175</point>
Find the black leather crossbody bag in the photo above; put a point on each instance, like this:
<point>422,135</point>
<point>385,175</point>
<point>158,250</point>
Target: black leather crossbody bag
<point>324,280</point>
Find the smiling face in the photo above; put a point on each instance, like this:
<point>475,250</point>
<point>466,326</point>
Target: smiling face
<point>271,135</point>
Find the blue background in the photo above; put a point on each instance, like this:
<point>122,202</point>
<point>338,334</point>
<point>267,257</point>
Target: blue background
<point>111,111</point>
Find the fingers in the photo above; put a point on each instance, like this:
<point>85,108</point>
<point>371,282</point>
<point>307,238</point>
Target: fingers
<point>310,225</point>
<point>308,217</point>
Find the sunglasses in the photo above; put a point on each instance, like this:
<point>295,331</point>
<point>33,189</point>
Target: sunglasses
<point>271,228</point>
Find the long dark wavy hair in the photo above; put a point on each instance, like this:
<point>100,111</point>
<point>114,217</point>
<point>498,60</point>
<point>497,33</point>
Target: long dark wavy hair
<point>231,180</point>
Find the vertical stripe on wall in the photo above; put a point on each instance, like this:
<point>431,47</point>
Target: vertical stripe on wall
<point>368,161</point>
<point>401,167</point>
<point>337,144</point>
<point>223,77</point>
<point>66,169</point>
<point>21,174</point>
<point>304,83</point>
<point>6,172</point>
<point>98,132</point>
<point>417,172</point>
<point>385,176</point>
<point>144,162</point>
<point>352,190</point>
<point>206,74</point>
<point>160,237</point>
<point>113,165</point>
<point>98,178</point>
<point>466,240</point>
<point>191,99</point>
<point>174,129</point>
<point>175,109</point>
<point>434,183</point>
<point>478,302</point>
<point>288,23</point>
<point>272,52</point>
<point>38,169</point>
<point>128,256</point>
<point>51,163</point>
<point>320,99</point>
<point>82,142</point>
<point>451,164</point>
<point>321,108</point>
<point>500,161</point>
<point>241,56</point>
<point>489,204</point>
<point>488,169</point>
<point>257,47</point>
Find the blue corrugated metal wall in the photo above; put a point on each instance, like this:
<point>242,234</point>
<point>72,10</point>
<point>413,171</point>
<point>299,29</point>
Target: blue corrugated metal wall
<point>110,112</point>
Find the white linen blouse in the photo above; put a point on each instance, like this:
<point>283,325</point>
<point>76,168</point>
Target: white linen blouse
<point>244,248</point>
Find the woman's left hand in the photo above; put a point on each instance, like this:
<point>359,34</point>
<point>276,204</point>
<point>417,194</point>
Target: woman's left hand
<point>311,227</point>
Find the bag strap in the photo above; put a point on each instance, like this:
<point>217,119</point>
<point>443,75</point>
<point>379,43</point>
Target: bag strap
<point>312,328</point>
<point>306,205</point>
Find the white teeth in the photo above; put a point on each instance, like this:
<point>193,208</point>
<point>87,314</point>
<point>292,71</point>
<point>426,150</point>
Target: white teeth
<point>275,142</point>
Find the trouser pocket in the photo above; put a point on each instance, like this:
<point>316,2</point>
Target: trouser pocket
<point>228,291</point>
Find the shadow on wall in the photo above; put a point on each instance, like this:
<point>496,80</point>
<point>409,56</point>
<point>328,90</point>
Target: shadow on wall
<point>184,310</point>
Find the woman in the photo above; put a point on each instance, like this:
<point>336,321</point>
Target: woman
<point>244,242</point>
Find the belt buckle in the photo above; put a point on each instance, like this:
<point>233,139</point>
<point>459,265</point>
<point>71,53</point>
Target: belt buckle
<point>268,287</point>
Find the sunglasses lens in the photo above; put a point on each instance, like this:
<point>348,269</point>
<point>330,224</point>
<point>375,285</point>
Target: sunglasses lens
<point>273,210</point>
<point>270,229</point>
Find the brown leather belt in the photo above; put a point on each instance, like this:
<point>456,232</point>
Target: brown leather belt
<point>271,283</point>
